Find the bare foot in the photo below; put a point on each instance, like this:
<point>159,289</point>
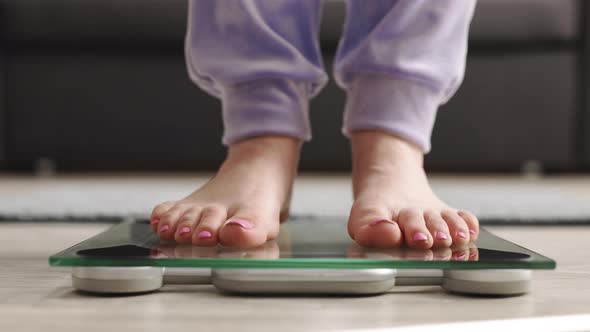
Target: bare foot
<point>394,203</point>
<point>243,204</point>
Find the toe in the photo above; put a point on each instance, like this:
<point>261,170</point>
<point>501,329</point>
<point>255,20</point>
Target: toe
<point>204,252</point>
<point>186,224</point>
<point>163,250</point>
<point>460,255</point>
<point>269,250</point>
<point>457,227</point>
<point>372,226</point>
<point>473,254</point>
<point>169,221</point>
<point>442,254</point>
<point>183,251</point>
<point>414,229</point>
<point>438,229</point>
<point>205,233</point>
<point>247,229</point>
<point>472,223</point>
<point>157,213</point>
<point>415,254</point>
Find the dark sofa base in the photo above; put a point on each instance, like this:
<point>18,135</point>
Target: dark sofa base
<point>101,111</point>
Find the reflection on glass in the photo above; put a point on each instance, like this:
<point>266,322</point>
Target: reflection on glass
<point>326,246</point>
<point>271,251</point>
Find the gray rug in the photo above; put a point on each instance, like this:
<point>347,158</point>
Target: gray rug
<point>495,199</point>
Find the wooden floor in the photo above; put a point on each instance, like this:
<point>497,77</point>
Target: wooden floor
<point>36,297</point>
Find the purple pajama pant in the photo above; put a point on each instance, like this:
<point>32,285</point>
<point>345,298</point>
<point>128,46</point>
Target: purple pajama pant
<point>397,60</point>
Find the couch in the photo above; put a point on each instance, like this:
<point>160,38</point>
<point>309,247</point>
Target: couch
<point>101,85</point>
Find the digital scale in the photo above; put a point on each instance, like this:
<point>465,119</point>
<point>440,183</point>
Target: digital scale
<point>311,256</point>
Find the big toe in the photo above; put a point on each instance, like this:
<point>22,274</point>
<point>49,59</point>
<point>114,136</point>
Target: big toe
<point>373,227</point>
<point>247,230</point>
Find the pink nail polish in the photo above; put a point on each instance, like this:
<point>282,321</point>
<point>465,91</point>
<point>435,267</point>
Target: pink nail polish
<point>243,223</point>
<point>461,235</point>
<point>184,230</point>
<point>472,232</point>
<point>204,234</point>
<point>164,228</point>
<point>377,222</point>
<point>420,237</point>
<point>155,221</point>
<point>460,255</point>
<point>441,236</point>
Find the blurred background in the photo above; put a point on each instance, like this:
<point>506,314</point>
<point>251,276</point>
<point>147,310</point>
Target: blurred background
<point>101,85</point>
<point>98,117</point>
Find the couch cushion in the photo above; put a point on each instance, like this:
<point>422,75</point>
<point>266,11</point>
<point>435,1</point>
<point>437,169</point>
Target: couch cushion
<point>161,23</point>
<point>525,20</point>
<point>94,23</point>
<point>494,21</point>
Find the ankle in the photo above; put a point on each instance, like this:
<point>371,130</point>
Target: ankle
<point>376,148</point>
<point>265,150</point>
<point>262,145</point>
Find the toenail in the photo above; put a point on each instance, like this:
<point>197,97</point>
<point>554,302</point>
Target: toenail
<point>164,228</point>
<point>472,232</point>
<point>460,255</point>
<point>204,234</point>
<point>461,234</point>
<point>184,230</point>
<point>441,236</point>
<point>243,223</point>
<point>420,237</point>
<point>155,221</point>
<point>377,222</point>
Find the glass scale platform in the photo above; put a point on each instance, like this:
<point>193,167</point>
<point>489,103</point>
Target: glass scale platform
<point>311,255</point>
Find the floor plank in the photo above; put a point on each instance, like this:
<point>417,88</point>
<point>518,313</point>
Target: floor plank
<point>34,296</point>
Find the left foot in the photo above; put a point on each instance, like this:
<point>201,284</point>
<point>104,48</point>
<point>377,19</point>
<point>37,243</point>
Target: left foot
<point>393,202</point>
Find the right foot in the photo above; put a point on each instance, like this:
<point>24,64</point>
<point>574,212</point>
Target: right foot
<point>243,205</point>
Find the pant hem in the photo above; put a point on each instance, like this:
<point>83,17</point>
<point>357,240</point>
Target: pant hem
<point>400,107</point>
<point>265,107</point>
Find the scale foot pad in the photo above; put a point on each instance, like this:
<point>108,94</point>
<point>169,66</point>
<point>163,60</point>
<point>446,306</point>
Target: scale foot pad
<point>128,280</point>
<point>118,280</point>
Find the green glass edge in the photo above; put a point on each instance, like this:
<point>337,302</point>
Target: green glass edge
<point>229,263</point>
